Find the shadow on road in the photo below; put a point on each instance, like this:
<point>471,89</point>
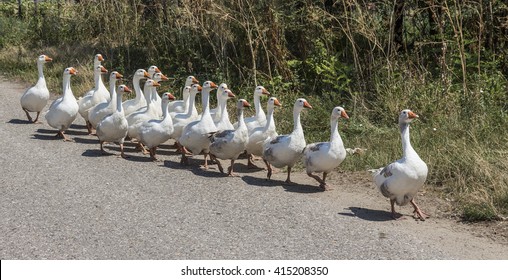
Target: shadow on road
<point>68,131</point>
<point>18,121</point>
<point>81,140</point>
<point>368,214</point>
<point>194,166</point>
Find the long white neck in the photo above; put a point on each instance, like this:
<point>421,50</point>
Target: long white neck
<point>39,68</point>
<point>192,105</point>
<point>407,149</point>
<point>297,127</point>
<point>166,117</point>
<point>224,116</point>
<point>112,89</point>
<point>205,98</point>
<point>154,91</point>
<point>186,98</point>
<point>270,122</point>
<point>334,131</point>
<point>97,78</point>
<point>119,107</point>
<point>137,87</point>
<point>147,93</point>
<point>241,122</point>
<point>257,105</point>
<point>100,82</point>
<point>67,92</point>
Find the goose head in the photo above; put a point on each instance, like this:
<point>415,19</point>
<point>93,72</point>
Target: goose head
<point>101,70</point>
<point>98,59</point>
<point>406,116</point>
<point>152,70</point>
<point>123,89</point>
<point>339,112</point>
<point>242,103</point>
<point>141,74</point>
<point>261,90</point>
<point>226,94</point>
<point>301,103</point>
<point>222,87</point>
<point>115,76</point>
<point>209,85</point>
<point>43,59</point>
<point>151,83</point>
<point>70,71</point>
<point>191,80</point>
<point>195,89</point>
<point>272,102</point>
<point>167,96</point>
<point>159,77</point>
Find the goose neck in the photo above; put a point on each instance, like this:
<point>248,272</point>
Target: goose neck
<point>147,94</point>
<point>407,149</point>
<point>192,106</point>
<point>119,107</point>
<point>67,92</point>
<point>296,120</point>
<point>270,122</point>
<point>204,100</point>
<point>334,131</point>
<point>137,87</point>
<point>40,66</point>
<point>223,111</point>
<point>257,105</point>
<point>241,121</point>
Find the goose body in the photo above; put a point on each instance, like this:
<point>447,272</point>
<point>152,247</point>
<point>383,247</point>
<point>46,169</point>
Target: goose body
<point>223,123</point>
<point>286,150</point>
<point>113,128</point>
<point>181,106</point>
<point>259,135</point>
<point>230,143</point>
<point>147,113</point>
<point>36,97</point>
<point>180,121</point>
<point>132,105</point>
<point>400,180</point>
<point>195,136</point>
<point>325,156</point>
<point>64,110</point>
<point>99,111</point>
<point>154,132</point>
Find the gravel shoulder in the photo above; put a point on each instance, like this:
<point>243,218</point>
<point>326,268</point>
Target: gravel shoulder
<point>65,201</point>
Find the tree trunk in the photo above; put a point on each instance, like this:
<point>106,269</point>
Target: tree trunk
<point>20,10</point>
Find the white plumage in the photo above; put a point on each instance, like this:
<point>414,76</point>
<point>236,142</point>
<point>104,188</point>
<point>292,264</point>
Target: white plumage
<point>36,97</point>
<point>99,111</point>
<point>132,105</point>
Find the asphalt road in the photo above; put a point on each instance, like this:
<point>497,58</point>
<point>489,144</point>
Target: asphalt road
<point>62,200</point>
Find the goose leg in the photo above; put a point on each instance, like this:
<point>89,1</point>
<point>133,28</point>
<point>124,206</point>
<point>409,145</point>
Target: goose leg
<point>142,148</point>
<point>65,138</point>
<point>152,153</point>
<point>250,162</point>
<point>422,215</point>
<point>37,118</point>
<point>395,215</point>
<point>184,160</point>
<point>321,182</point>
<point>89,128</point>
<point>205,166</point>
<point>219,165</point>
<point>325,185</point>
<point>27,115</point>
<point>230,169</point>
<point>269,169</point>
<point>288,179</point>
<point>122,154</point>
<point>102,148</point>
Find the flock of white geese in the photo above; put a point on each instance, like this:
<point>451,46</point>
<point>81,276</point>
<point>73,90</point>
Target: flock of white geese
<point>150,120</point>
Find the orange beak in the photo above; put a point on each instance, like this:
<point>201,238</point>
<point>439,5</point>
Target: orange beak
<point>104,70</point>
<point>231,94</point>
<point>307,105</point>
<point>119,76</point>
<point>344,115</point>
<point>146,74</point>
<point>73,71</point>
<point>155,84</point>
<point>164,77</point>
<point>47,58</point>
<point>171,97</point>
<point>276,102</point>
<point>412,115</point>
<point>126,89</point>
<point>246,104</point>
<point>265,92</point>
<point>100,57</point>
<point>213,85</point>
<point>157,70</point>
<point>195,81</point>
<point>200,88</point>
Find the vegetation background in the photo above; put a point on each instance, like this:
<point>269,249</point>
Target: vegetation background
<point>445,59</point>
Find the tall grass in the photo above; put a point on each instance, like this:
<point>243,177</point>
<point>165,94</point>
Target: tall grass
<point>447,60</point>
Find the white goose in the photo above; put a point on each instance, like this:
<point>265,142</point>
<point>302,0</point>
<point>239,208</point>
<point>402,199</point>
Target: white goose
<point>224,123</point>
<point>158,77</point>
<point>64,110</point>
<point>216,112</point>
<point>259,135</point>
<point>286,150</point>
<point>132,105</point>
<point>180,106</point>
<point>195,134</point>
<point>36,97</point>
<point>95,98</point>
<point>259,119</point>
<point>147,113</point>
<point>400,180</point>
<point>154,132</point>
<point>229,144</point>
<point>99,111</point>
<point>97,61</point>
<point>180,121</point>
<point>325,156</point>
<point>113,128</point>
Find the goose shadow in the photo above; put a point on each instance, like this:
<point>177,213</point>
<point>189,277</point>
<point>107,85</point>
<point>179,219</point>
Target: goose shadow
<point>194,166</point>
<point>94,153</point>
<point>368,214</point>
<point>68,131</point>
<point>81,140</point>
<point>19,121</point>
